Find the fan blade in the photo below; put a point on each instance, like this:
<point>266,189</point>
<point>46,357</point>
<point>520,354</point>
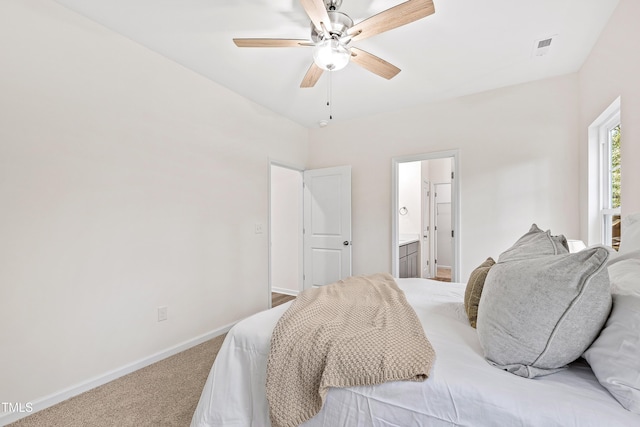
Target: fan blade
<point>318,14</point>
<point>311,78</point>
<point>271,42</point>
<point>373,63</point>
<point>395,17</point>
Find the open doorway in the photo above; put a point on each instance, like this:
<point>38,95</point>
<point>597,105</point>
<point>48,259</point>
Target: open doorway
<point>425,216</point>
<point>309,227</point>
<point>285,229</point>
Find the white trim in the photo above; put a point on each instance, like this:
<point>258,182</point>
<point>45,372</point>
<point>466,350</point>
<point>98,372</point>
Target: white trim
<point>67,393</point>
<point>597,131</point>
<point>284,291</point>
<point>426,249</point>
<point>455,205</point>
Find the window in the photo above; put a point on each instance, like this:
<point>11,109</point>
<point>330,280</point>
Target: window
<point>603,180</point>
<point>610,138</point>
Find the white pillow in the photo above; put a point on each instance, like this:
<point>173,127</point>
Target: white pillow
<point>614,355</point>
<point>630,239</point>
<point>624,273</point>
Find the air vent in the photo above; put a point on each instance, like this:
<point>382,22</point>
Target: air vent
<point>544,43</point>
<point>542,46</point>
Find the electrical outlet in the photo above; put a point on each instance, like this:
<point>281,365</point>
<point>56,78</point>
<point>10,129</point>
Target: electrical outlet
<point>162,313</point>
<point>258,228</point>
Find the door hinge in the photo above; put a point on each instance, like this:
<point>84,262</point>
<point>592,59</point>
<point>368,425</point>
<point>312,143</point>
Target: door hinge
<point>452,174</point>
<point>451,233</point>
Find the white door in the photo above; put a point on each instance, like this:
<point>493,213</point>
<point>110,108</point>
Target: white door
<point>327,225</point>
<point>443,226</point>
<point>426,235</point>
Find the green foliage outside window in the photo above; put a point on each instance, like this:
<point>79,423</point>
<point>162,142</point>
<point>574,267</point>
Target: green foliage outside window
<point>615,167</point>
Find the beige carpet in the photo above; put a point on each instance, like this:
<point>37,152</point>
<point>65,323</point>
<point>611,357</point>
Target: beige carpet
<point>163,394</point>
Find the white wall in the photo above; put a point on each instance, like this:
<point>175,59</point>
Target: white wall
<point>127,182</point>
<point>286,228</point>
<point>517,166</point>
<point>410,196</point>
<point>439,170</point>
<point>612,70</point>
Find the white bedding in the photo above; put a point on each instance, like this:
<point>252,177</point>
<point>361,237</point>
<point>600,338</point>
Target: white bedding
<point>463,389</point>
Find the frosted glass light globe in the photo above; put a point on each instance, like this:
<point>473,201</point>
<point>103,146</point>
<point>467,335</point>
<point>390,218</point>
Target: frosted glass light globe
<point>331,55</point>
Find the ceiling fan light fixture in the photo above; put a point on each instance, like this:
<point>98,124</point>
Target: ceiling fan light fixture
<point>333,32</point>
<point>331,55</point>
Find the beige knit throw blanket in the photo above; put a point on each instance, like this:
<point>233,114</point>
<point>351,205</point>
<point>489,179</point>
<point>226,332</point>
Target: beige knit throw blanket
<point>358,331</point>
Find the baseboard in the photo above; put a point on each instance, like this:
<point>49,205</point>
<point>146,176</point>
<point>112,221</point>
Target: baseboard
<point>284,291</point>
<point>62,395</point>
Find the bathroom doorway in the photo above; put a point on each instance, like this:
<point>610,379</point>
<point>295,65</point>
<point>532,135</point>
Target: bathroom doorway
<point>425,207</point>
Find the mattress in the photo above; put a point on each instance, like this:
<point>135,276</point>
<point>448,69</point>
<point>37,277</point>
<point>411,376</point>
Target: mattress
<point>462,390</point>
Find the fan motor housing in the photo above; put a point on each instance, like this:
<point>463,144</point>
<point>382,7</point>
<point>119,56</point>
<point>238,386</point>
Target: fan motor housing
<point>340,23</point>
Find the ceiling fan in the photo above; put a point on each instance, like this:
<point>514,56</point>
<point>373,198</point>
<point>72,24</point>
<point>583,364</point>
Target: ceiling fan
<point>332,33</point>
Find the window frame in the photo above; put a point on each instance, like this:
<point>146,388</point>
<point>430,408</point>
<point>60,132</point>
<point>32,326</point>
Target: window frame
<point>600,211</point>
<point>601,136</point>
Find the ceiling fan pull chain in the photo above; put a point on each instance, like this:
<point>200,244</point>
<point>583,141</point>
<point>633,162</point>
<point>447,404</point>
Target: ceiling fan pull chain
<point>330,95</point>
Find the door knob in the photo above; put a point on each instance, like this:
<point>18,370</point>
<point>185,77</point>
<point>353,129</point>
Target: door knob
<point>346,243</point>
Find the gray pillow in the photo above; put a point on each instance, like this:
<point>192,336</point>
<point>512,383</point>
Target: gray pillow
<point>535,243</point>
<point>538,314</point>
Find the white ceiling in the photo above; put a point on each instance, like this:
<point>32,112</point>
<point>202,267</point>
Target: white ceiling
<point>466,47</point>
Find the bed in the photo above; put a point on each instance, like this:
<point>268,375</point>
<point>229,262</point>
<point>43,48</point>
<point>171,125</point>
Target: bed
<point>463,389</point>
